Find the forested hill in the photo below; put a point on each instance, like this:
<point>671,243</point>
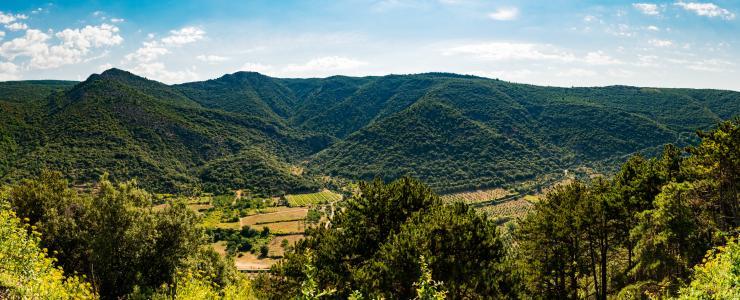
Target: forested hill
<point>272,135</point>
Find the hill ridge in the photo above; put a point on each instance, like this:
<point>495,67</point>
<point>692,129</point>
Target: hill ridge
<point>486,132</point>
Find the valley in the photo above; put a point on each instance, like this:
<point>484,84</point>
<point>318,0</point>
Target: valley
<point>247,179</point>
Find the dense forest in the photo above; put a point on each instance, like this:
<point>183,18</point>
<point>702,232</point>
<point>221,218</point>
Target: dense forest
<point>660,227</point>
<point>274,136</point>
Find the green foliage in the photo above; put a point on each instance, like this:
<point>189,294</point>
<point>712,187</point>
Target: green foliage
<point>309,287</point>
<point>374,242</point>
<point>111,235</point>
<point>131,127</point>
<point>426,288</point>
<point>718,276</point>
<point>313,216</point>
<point>247,131</point>
<point>638,234</point>
<point>195,286</point>
<point>26,270</point>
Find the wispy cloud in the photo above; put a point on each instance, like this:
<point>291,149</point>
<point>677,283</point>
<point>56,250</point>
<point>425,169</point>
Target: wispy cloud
<point>212,59</point>
<point>256,67</point>
<point>160,72</point>
<point>151,50</point>
<point>505,14</point>
<point>327,63</point>
<point>710,10</point>
<point>647,8</point>
<point>511,51</point>
<point>147,55</point>
<point>183,36</point>
<point>600,58</point>
<point>660,43</point>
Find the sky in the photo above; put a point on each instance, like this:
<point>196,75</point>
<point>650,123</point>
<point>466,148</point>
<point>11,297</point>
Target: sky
<point>556,42</point>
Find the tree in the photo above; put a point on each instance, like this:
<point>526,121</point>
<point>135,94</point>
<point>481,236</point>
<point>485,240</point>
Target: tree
<point>375,240</point>
<point>264,251</point>
<point>461,247</point>
<point>26,270</point>
<point>669,238</point>
<point>551,244</point>
<point>718,276</point>
<point>569,244</point>
<point>111,235</point>
<point>426,288</point>
<point>716,161</point>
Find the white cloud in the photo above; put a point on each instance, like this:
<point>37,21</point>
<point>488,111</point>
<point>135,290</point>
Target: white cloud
<point>158,71</point>
<point>183,36</point>
<point>74,46</point>
<point>90,36</point>
<point>653,28</point>
<point>712,65</point>
<point>621,30</point>
<point>151,50</point>
<point>256,67</point>
<point>323,64</point>
<point>505,14</point>
<point>8,71</point>
<point>148,52</point>
<point>647,60</point>
<point>212,58</point>
<point>2,34</point>
<point>591,19</point>
<point>707,10</point>
<point>10,18</point>
<point>647,8</point>
<point>146,56</point>
<point>660,43</point>
<point>117,20</point>
<point>16,26</point>
<point>501,51</point>
<point>32,44</point>
<point>599,58</point>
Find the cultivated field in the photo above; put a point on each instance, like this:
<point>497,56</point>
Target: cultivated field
<point>246,261</point>
<point>477,196</point>
<point>289,227</point>
<point>285,223</point>
<point>276,248</point>
<point>282,215</point>
<point>322,197</point>
<point>509,209</point>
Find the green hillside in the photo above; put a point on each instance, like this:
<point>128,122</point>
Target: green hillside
<point>131,127</point>
<point>246,130</point>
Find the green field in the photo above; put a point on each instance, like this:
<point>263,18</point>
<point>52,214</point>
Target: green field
<point>324,196</point>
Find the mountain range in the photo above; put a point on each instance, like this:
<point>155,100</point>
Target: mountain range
<point>274,135</point>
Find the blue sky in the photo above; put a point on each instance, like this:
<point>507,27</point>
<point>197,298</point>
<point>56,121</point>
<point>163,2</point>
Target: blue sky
<point>562,43</point>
